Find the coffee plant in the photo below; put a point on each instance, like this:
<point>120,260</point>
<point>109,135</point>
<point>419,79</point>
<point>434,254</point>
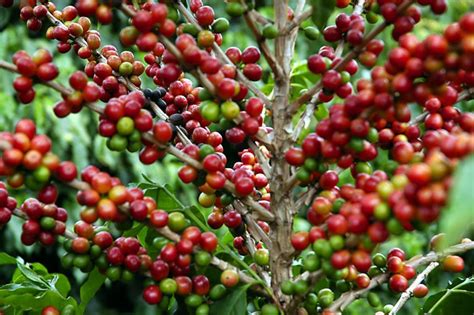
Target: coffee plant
<point>305,169</point>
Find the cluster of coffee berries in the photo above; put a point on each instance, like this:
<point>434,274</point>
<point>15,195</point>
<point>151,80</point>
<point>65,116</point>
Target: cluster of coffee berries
<point>106,195</point>
<point>31,68</point>
<point>250,120</point>
<point>333,82</point>
<point>101,10</point>
<point>246,59</point>
<point>351,28</point>
<point>86,249</point>
<point>404,22</point>
<point>27,157</point>
<point>124,120</point>
<point>34,15</point>
<point>84,92</point>
<point>7,205</point>
<point>126,254</point>
<point>43,222</point>
<point>105,73</point>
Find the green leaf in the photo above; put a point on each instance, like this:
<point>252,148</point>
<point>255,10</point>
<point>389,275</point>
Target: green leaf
<point>459,215</point>
<point>322,10</point>
<point>235,303</point>
<point>90,288</point>
<point>458,298</point>
<point>6,259</point>
<point>321,112</point>
<point>61,283</point>
<point>31,275</point>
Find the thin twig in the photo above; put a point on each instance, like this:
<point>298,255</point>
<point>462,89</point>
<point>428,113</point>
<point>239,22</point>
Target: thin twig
<point>464,95</point>
<point>297,21</point>
<point>250,19</point>
<point>261,157</point>
<point>253,227</point>
<point>346,298</point>
<point>409,292</point>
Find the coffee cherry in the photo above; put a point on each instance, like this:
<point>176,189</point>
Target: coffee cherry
<point>50,310</point>
<point>202,258</point>
<point>152,294</point>
<point>395,264</point>
<point>295,156</point>
<point>67,171</point>
<point>300,240</point>
<point>205,15</point>
<point>229,278</point>
<point>398,283</point>
<point>232,219</point>
<point>159,218</point>
<point>420,291</point>
<point>397,252</point>
<point>208,241</point>
<point>162,132</point>
<point>331,80</point>
<point>201,285</point>
<point>453,263</point>
<point>159,270</point>
<point>362,281</point>
<point>270,309</point>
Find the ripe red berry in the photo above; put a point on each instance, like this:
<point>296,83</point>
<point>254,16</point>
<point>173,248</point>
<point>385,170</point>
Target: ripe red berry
<point>331,80</point>
<point>152,294</point>
<point>453,263</point>
<point>250,55</point>
<point>398,283</point>
<point>337,224</point>
<point>162,131</point>
<point>205,15</point>
<point>232,219</point>
<point>208,241</point>
<point>50,310</point>
<point>300,240</point>
<point>420,291</point>
<point>295,156</point>
<point>201,285</point>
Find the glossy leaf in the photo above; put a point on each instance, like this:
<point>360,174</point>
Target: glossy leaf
<point>459,214</point>
<point>90,288</point>
<point>458,298</point>
<point>235,303</point>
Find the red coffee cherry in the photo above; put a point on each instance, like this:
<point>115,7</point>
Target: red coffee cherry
<point>453,263</point>
<point>420,291</point>
<point>152,294</point>
<point>208,241</point>
<point>300,240</point>
<point>398,283</point>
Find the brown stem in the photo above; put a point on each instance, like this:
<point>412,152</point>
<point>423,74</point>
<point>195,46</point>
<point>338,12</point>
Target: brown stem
<point>282,203</point>
<point>297,21</point>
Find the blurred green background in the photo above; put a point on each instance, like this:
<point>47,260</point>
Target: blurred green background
<point>75,138</point>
